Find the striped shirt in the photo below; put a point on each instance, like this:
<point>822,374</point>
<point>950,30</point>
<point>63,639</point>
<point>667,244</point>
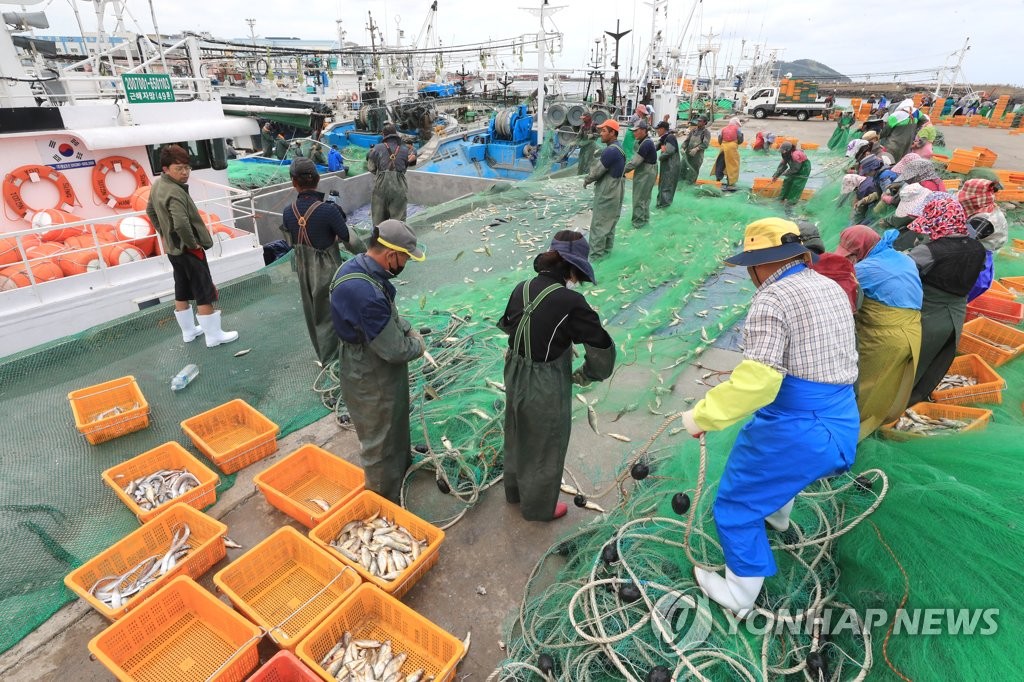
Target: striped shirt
<point>800,324</point>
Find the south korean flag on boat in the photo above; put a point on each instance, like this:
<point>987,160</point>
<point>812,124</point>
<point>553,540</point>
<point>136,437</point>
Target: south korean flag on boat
<point>62,152</point>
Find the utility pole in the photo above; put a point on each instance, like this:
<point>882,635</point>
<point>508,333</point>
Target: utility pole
<point>542,46</point>
<point>616,36</point>
<point>252,31</point>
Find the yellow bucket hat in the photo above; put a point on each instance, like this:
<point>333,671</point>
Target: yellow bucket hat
<point>769,240</point>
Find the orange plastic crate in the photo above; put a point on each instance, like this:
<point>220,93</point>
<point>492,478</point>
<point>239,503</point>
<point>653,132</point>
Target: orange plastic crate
<point>1015,285</point>
<point>997,288</point>
<point>182,633</point>
<point>766,188</point>
<point>996,308</point>
<point>980,335</point>
<point>989,388</point>
<point>205,536</point>
<point>88,404</point>
<point>232,435</point>
<point>1010,195</point>
<point>713,183</point>
<point>310,473</point>
<point>284,667</point>
<point>976,418</point>
<point>987,156</point>
<point>806,194</point>
<point>286,585</point>
<point>940,158</point>
<point>363,506</point>
<point>809,146</point>
<point>372,614</point>
<point>167,456</point>
<point>951,184</point>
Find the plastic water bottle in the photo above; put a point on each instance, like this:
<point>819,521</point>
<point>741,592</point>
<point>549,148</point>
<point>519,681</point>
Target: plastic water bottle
<point>184,377</point>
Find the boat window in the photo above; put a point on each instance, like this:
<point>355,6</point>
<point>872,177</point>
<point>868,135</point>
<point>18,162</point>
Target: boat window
<point>201,154</point>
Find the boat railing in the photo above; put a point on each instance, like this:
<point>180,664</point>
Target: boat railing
<point>237,205</point>
<point>99,76</point>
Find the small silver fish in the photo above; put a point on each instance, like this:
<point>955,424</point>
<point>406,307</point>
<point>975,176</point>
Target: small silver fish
<point>242,352</point>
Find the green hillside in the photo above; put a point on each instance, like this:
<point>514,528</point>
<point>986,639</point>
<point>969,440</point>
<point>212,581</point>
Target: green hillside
<point>808,68</point>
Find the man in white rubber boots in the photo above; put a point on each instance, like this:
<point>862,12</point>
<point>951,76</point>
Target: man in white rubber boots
<point>185,239</point>
<point>796,379</point>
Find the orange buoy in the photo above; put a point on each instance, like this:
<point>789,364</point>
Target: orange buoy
<point>140,198</point>
<point>14,183</point>
<point>45,251</point>
<point>117,164</point>
<point>77,262</point>
<point>17,276</point>
<point>53,216</point>
<point>9,252</point>
<point>139,231</point>
<point>107,232</point>
<point>222,232</point>
<point>119,254</point>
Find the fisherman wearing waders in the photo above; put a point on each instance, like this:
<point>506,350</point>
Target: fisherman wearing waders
<point>544,318</point>
<point>644,166</point>
<point>314,228</point>
<point>796,379</point>
<point>694,146</point>
<point>668,169</point>
<point>795,168</point>
<point>387,161</point>
<point>609,188</point>
<point>376,347</point>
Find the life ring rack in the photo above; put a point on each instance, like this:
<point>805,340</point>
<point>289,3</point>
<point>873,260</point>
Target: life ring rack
<point>116,164</point>
<point>16,179</point>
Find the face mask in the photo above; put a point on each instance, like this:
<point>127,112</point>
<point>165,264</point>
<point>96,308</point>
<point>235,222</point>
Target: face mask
<point>397,270</point>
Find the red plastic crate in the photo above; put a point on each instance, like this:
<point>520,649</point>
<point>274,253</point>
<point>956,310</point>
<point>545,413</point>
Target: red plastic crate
<point>284,667</point>
<point>996,308</point>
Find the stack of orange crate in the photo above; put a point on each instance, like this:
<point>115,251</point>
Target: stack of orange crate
<point>988,157</point>
<point>1000,109</point>
<point>963,161</point>
<point>936,111</point>
<point>1013,185</point>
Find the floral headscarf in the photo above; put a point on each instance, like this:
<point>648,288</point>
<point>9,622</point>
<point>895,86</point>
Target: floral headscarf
<point>941,217</point>
<point>851,181</point>
<point>977,196</point>
<point>902,163</point>
<point>913,197</point>
<point>917,170</point>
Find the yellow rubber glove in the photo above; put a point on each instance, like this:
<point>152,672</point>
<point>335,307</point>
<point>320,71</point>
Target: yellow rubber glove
<point>751,386</point>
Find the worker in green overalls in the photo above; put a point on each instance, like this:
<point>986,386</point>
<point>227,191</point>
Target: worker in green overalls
<point>795,167</point>
<point>587,142</point>
<point>543,319</point>
<point>606,172</point>
<point>644,165</point>
<point>388,161</point>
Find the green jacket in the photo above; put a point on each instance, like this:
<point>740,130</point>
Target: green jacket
<point>176,217</point>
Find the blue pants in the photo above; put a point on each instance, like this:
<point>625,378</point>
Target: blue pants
<point>808,432</point>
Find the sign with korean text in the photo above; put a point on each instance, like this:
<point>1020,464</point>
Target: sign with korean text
<point>148,88</point>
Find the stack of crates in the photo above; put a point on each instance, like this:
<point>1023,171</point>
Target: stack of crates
<point>997,113</point>
<point>1013,185</point>
<point>963,161</point>
<point>797,90</point>
<point>987,158</point>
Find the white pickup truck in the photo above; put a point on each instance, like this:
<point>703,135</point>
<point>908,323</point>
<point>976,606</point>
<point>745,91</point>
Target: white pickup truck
<point>765,102</point>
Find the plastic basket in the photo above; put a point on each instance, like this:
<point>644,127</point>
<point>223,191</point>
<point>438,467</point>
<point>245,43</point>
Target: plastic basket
<point>364,505</point>
<point>976,417</point>
<point>980,335</point>
<point>286,585</point>
<point>996,308</point>
<point>181,633</point>
<point>232,435</point>
<point>999,290</point>
<point>372,614</point>
<point>167,456</point>
<point>284,667</point>
<point>1015,285</point>
<point>206,538</point>
<point>306,474</point>
<point>989,388</point>
<point>88,404</point>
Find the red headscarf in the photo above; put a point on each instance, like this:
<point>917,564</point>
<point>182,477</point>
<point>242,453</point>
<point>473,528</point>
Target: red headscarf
<point>977,196</point>
<point>941,217</point>
<point>857,241</point>
<point>840,270</point>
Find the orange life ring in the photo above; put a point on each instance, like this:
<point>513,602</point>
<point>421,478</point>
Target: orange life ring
<point>355,96</point>
<point>116,164</point>
<point>15,180</point>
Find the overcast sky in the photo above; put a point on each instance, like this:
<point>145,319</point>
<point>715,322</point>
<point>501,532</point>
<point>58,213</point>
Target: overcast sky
<point>869,37</point>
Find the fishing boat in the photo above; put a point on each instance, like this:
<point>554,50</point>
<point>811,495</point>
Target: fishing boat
<point>79,148</point>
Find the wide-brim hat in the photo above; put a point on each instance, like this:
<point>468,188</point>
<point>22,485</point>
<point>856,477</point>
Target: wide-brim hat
<point>577,254</point>
<point>769,240</point>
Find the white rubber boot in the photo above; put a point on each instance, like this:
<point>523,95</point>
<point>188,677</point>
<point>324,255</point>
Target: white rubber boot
<point>731,592</point>
<point>189,329</point>
<point>214,334</point>
<point>780,520</point>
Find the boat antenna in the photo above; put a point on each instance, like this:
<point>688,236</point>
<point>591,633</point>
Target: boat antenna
<point>617,35</point>
<point>159,39</point>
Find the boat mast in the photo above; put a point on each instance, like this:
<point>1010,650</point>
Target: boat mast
<point>616,36</point>
<point>542,48</point>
